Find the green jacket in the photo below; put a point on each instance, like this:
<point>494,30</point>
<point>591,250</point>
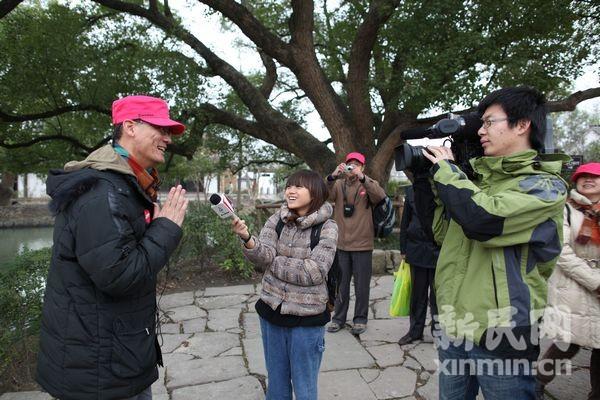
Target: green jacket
<point>500,235</point>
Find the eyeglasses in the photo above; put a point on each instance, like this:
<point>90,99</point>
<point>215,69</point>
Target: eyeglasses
<point>163,130</point>
<point>486,123</point>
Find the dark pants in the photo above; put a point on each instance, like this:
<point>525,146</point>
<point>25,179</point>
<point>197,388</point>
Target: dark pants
<point>422,290</point>
<point>547,370</point>
<point>145,395</point>
<point>357,264</point>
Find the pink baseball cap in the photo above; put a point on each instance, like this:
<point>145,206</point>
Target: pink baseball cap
<point>152,110</point>
<point>356,156</point>
<point>589,168</point>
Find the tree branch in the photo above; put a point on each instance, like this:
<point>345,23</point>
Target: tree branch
<point>168,12</point>
<point>358,70</point>
<point>301,24</point>
<point>253,29</point>
<point>47,138</point>
<point>5,117</point>
<point>270,76</point>
<point>250,95</point>
<point>264,162</point>
<point>7,6</point>
<point>569,103</point>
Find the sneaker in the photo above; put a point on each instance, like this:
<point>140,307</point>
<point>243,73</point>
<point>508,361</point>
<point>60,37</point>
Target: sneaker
<point>407,339</point>
<point>358,329</point>
<point>334,327</point>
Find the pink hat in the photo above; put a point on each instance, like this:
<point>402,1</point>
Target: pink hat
<point>356,156</point>
<point>589,168</point>
<point>152,110</point>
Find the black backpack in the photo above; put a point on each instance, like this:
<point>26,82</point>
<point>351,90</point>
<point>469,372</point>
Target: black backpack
<point>384,217</point>
<point>333,276</point>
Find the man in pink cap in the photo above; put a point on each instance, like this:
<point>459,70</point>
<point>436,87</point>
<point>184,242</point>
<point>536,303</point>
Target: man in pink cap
<point>111,239</point>
<point>354,195</point>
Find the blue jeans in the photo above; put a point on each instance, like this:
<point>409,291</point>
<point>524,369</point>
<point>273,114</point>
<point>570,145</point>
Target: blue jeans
<point>465,368</point>
<point>293,358</point>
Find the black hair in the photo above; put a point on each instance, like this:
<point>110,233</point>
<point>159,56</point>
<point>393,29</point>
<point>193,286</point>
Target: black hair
<point>315,185</point>
<point>117,133</point>
<point>521,103</point>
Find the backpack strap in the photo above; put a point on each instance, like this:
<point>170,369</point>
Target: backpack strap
<point>279,227</point>
<point>315,232</point>
<point>315,235</point>
<point>568,214</point>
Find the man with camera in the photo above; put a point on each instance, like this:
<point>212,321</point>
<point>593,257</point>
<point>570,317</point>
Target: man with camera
<point>354,195</point>
<point>500,236</point>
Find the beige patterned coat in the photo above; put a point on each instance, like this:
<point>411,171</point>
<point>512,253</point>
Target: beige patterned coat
<point>573,311</point>
<point>295,276</point>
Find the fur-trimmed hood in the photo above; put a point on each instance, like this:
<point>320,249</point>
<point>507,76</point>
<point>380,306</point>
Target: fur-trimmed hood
<point>77,177</point>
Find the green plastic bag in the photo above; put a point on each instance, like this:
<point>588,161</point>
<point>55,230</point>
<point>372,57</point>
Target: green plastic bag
<point>400,303</point>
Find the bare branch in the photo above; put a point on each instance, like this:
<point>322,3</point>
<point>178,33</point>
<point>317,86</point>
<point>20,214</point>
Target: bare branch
<point>5,117</point>
<point>7,6</point>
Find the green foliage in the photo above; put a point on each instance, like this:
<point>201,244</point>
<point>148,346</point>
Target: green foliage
<point>391,242</point>
<point>442,53</point>
<point>578,133</point>
<point>54,56</point>
<point>396,188</point>
<point>22,284</point>
<point>435,54</point>
<point>206,237</point>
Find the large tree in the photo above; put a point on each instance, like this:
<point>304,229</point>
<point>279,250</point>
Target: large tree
<point>370,69</point>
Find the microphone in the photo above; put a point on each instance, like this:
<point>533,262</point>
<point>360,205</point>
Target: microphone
<point>222,206</point>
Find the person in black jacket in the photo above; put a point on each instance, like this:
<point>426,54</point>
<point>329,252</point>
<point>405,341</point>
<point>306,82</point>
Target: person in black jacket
<point>98,338</point>
<point>421,253</point>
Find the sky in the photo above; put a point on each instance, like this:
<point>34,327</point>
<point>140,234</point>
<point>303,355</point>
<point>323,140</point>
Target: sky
<point>207,27</point>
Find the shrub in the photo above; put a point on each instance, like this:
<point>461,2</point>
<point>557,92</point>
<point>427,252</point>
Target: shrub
<point>208,237</point>
<point>22,284</point>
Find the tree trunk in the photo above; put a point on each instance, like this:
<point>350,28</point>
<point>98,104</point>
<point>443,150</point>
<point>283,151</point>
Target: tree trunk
<point>6,188</point>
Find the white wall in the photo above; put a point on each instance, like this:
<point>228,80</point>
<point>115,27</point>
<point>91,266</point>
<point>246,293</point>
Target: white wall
<point>266,186</point>
<point>36,187</point>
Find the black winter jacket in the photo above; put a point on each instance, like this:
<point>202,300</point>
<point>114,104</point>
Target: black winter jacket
<point>98,337</point>
<point>419,249</point>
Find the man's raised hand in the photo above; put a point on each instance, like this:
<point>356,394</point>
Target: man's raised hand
<point>174,207</point>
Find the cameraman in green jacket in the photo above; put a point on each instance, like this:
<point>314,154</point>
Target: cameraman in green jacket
<point>500,236</point>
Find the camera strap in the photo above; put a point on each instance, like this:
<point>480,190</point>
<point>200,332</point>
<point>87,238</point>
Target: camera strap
<point>345,196</point>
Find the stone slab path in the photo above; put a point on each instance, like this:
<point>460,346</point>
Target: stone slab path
<point>212,350</point>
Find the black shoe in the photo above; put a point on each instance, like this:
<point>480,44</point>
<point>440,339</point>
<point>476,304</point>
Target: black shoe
<point>334,327</point>
<point>358,329</point>
<point>407,339</point>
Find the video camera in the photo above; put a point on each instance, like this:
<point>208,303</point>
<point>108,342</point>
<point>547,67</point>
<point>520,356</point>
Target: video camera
<point>460,130</point>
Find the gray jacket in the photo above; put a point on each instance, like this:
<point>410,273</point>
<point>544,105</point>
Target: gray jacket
<point>295,276</point>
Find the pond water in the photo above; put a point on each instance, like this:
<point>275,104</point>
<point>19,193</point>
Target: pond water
<point>13,241</point>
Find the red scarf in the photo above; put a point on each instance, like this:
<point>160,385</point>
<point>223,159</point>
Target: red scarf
<point>590,230</point>
<point>149,182</point>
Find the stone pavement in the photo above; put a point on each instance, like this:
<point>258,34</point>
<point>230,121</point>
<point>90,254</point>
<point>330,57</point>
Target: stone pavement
<point>212,350</point>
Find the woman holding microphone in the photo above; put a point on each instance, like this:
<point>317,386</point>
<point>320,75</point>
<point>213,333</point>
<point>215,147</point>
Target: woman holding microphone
<point>292,304</point>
